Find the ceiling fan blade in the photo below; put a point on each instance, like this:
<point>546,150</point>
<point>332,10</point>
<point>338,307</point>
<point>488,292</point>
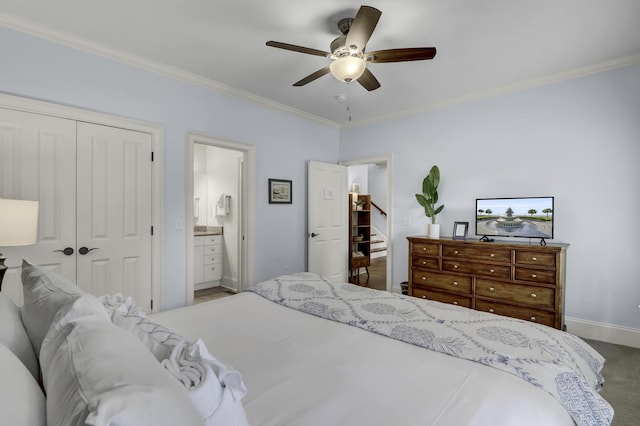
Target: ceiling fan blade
<point>362,27</point>
<point>401,55</point>
<point>301,49</point>
<point>311,77</point>
<point>368,80</point>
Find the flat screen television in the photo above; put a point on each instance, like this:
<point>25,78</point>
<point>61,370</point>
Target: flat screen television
<point>525,217</point>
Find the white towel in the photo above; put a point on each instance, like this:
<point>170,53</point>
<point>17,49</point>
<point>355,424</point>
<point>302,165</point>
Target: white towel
<point>117,303</point>
<point>214,389</point>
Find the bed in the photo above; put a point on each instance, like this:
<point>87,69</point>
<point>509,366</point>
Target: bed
<point>305,367</point>
<point>295,350</point>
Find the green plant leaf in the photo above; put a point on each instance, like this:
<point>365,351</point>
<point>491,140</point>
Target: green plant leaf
<point>422,200</point>
<point>439,209</point>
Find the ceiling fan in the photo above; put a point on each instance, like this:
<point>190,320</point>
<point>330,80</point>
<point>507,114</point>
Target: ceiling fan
<point>349,59</point>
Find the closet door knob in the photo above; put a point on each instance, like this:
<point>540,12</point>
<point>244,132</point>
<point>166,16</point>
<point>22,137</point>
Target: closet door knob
<point>68,251</point>
<point>84,250</point>
<point>313,235</point>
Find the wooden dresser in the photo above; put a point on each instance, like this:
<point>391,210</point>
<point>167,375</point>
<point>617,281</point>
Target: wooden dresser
<point>513,279</point>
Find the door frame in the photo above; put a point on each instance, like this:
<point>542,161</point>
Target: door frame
<point>157,172</point>
<point>388,160</point>
<point>247,228</point>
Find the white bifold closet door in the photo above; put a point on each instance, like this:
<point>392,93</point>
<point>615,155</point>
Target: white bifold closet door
<point>94,187</point>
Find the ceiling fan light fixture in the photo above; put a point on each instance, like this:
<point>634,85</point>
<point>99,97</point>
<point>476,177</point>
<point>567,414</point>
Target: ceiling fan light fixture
<point>348,68</point>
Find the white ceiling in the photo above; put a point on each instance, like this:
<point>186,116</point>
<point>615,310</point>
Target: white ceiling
<point>484,46</point>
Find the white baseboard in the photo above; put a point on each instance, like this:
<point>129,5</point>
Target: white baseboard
<point>604,332</point>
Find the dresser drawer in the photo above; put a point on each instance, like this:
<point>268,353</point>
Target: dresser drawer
<point>425,262</point>
<point>426,249</point>
<point>535,275</point>
<point>453,299</point>
<point>496,271</point>
<point>212,258</point>
<point>530,295</point>
<point>208,250</point>
<point>213,272</point>
<point>532,257</point>
<point>455,283</point>
<point>534,315</point>
<point>212,239</point>
<point>496,254</point>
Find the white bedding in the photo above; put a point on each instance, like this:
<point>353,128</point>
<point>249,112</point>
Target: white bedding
<point>303,370</point>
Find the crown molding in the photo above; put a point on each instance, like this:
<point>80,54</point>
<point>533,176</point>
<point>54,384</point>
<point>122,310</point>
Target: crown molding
<point>503,90</point>
<point>165,70</point>
<point>187,77</point>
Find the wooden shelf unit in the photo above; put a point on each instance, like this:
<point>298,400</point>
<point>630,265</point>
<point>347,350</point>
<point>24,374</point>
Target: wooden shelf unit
<point>518,280</point>
<point>359,236</point>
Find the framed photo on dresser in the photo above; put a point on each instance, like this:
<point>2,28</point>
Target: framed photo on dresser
<point>460,230</point>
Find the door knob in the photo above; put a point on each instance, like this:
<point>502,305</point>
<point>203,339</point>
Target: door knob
<point>68,251</point>
<point>84,250</point>
<point>313,234</point>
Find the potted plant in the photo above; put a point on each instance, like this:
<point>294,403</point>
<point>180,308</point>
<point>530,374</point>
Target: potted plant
<point>429,198</point>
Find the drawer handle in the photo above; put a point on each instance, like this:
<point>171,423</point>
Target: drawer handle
<point>424,297</point>
<point>492,289</point>
<point>455,303</point>
<point>492,255</point>
<point>491,271</point>
<point>455,252</point>
<point>455,266</point>
<point>534,258</point>
<point>424,249</point>
<point>455,283</point>
<point>534,295</point>
<point>424,278</point>
<point>491,310</point>
<point>534,276</point>
<point>424,262</point>
<point>533,319</point>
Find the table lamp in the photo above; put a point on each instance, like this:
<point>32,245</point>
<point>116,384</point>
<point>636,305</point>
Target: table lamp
<point>18,226</point>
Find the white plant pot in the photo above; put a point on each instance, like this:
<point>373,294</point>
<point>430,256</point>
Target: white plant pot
<point>433,230</point>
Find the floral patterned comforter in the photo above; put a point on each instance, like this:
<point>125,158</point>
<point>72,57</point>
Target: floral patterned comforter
<point>558,362</point>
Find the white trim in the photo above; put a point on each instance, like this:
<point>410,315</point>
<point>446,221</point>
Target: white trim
<point>74,42</point>
<point>388,159</point>
<point>248,261</point>
<point>503,90</point>
<point>609,333</point>
<point>148,65</point>
<point>157,169</point>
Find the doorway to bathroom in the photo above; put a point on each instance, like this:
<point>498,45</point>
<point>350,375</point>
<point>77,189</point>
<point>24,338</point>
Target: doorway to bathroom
<point>219,217</point>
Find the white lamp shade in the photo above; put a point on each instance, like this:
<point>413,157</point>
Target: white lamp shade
<point>348,68</point>
<point>18,222</point>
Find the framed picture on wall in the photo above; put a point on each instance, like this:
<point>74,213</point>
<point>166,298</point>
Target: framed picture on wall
<point>280,191</point>
<point>460,230</point>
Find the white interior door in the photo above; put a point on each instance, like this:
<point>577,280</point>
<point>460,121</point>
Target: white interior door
<point>94,187</point>
<point>114,214</point>
<point>38,162</point>
<point>328,205</point>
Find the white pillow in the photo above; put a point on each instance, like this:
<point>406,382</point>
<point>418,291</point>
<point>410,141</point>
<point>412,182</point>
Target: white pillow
<point>21,399</point>
<point>158,339</point>
<point>84,307</point>
<point>102,375</point>
<point>14,336</point>
<point>44,293</point>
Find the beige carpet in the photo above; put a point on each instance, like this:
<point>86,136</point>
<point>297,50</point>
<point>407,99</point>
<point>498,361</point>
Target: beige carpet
<point>622,381</point>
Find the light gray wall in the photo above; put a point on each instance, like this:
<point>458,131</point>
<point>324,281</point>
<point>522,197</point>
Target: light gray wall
<point>35,68</point>
<point>578,140</point>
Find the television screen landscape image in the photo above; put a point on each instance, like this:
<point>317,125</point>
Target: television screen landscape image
<point>526,217</point>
